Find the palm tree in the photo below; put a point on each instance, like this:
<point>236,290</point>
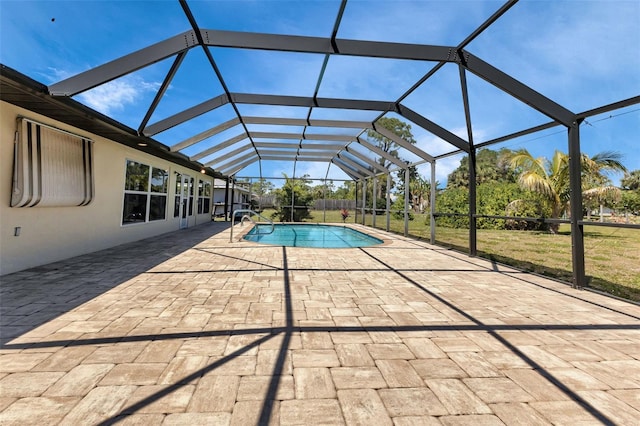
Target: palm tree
<point>550,178</point>
<point>596,185</point>
<point>420,189</point>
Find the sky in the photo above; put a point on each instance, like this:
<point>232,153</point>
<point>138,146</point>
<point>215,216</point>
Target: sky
<point>580,54</point>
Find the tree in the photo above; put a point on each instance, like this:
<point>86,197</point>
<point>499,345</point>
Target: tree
<point>331,187</point>
<point>420,189</point>
<point>298,193</point>
<point>259,190</point>
<point>401,129</point>
<point>550,178</point>
<point>493,199</point>
<point>345,192</point>
<point>631,180</point>
<point>630,197</point>
<point>491,166</point>
<point>629,202</point>
<point>262,187</point>
<point>396,126</point>
<point>318,192</point>
<point>596,186</point>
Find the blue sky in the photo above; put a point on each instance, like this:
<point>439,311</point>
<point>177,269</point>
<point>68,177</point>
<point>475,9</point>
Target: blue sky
<point>581,54</point>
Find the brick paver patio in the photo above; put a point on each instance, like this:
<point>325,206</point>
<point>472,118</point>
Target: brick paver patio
<point>188,329</point>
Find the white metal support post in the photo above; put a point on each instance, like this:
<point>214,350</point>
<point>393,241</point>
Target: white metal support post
<point>388,201</point>
<point>406,201</point>
<point>364,200</point>
<point>575,185</point>
<point>374,200</point>
<point>432,207</point>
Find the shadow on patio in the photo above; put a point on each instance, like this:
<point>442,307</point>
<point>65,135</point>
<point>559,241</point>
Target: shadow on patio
<point>246,334</point>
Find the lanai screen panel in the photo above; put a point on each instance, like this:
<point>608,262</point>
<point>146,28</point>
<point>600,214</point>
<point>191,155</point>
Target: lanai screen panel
<point>215,62</point>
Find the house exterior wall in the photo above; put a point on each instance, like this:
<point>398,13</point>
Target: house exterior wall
<point>49,234</point>
<point>241,197</point>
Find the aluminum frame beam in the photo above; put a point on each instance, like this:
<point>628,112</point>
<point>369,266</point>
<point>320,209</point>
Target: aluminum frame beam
<point>207,52</point>
<point>322,146</point>
<point>230,154</point>
<point>275,121</point>
<point>206,134</point>
<point>278,153</point>
<point>319,158</point>
<point>340,123</point>
<point>433,128</point>
<point>186,115</point>
<point>124,65</point>
<point>276,100</point>
<point>238,160</point>
<point>296,153</point>
<point>518,90</point>
<point>296,158</point>
<point>218,147</point>
<point>354,164</point>
<point>275,145</point>
<point>236,169</point>
<point>163,89</point>
<point>246,40</point>
<point>382,153</point>
<point>404,144</point>
<point>304,122</point>
<point>303,136</point>
<point>307,101</point>
<point>610,107</point>
<point>367,160</point>
<point>354,174</point>
<point>306,44</point>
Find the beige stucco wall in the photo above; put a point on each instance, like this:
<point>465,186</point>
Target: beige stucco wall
<point>50,234</point>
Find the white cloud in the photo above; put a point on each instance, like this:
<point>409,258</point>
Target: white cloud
<point>117,94</point>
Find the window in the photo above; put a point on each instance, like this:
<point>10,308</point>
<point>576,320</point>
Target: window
<point>204,197</point>
<point>145,193</point>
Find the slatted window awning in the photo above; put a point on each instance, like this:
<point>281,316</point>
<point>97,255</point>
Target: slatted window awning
<point>52,167</point>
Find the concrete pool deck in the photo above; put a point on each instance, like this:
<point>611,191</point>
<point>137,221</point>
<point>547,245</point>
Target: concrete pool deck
<point>189,329</point>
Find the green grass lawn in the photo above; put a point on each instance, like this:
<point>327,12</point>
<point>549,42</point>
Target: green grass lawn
<point>612,255</point>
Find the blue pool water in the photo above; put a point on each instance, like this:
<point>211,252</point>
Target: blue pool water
<point>310,235</point>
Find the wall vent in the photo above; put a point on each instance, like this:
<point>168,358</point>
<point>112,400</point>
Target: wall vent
<point>51,167</point>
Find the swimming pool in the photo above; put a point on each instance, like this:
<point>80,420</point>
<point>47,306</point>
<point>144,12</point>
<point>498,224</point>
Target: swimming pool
<point>310,235</point>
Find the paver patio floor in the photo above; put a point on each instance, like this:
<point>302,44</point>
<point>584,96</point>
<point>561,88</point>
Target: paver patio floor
<point>189,329</point>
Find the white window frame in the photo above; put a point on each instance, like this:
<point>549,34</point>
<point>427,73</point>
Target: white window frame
<point>202,184</point>
<point>147,192</point>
